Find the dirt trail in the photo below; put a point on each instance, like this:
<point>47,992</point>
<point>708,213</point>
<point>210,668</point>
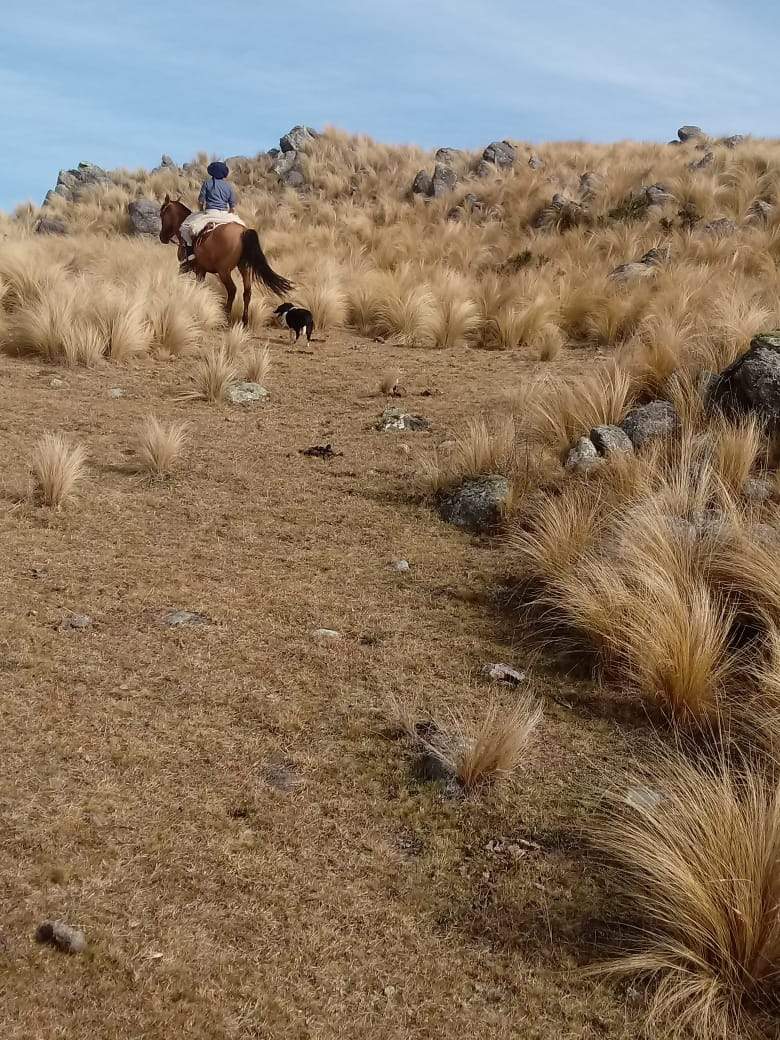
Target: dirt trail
<point>218,806</point>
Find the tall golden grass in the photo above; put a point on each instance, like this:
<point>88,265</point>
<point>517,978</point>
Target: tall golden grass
<point>698,863</point>
<point>57,469</point>
<point>366,256</point>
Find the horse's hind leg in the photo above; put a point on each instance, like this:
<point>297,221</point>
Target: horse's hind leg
<point>246,275</point>
<point>226,277</point>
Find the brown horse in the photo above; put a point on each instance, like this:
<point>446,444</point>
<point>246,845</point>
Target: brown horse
<point>220,251</point>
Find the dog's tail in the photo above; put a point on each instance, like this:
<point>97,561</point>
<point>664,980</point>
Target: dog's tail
<point>253,257</point>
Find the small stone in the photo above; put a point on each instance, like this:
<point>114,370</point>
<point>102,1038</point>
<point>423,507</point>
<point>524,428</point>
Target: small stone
<point>758,489</point>
<point>281,775</point>
<point>57,384</point>
<point>402,566</point>
<point>61,935</point>
<point>535,162</point>
<point>503,673</point>
<point>178,618</point>
<point>611,440</point>
<point>325,635</point>
<point>645,799</point>
<point>116,391</point>
<point>246,393</point>
<point>76,621</point>
<point>395,419</point>
<point>733,140</point>
<point>767,536</point>
<point>582,456</point>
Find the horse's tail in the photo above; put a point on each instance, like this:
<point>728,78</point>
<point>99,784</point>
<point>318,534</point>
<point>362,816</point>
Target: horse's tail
<point>253,257</point>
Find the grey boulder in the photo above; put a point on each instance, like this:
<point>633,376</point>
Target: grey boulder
<point>245,393</point>
<point>144,217</point>
<point>582,456</point>
<point>648,421</point>
<point>50,226</point>
<point>298,139</point>
<point>752,382</point>
<point>444,180</point>
<point>611,440</point>
<point>422,184</point>
<point>688,133</point>
<point>475,505</point>
<point>396,420</point>
<point>500,153</point>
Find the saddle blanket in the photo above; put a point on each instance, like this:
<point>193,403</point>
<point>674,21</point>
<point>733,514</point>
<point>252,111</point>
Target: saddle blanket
<point>197,222</point>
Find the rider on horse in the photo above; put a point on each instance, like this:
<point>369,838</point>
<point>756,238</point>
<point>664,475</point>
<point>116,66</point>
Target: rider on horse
<point>217,197</point>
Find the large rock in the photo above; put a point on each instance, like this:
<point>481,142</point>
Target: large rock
<point>422,184</point>
<point>144,217</point>
<point>752,382</point>
<point>50,226</point>
<point>561,213</point>
<point>284,162</point>
<point>702,164</point>
<point>70,183</point>
<point>734,140</point>
<point>759,212</point>
<point>648,421</point>
<point>720,228</point>
<point>535,161</point>
<point>689,133</point>
<point>166,160</point>
<point>444,180</point>
<point>582,457</point>
<point>590,186</point>
<point>447,155</point>
<point>298,139</point>
<point>500,153</point>
<point>645,267</point>
<point>475,505</point>
<point>611,440</point>
<point>293,179</point>
<point>657,195</point>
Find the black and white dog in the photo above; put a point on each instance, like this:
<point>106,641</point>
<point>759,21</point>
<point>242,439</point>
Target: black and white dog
<point>296,319</point>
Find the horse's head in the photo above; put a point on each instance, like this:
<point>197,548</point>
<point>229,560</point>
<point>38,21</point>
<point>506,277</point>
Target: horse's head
<point>172,213</point>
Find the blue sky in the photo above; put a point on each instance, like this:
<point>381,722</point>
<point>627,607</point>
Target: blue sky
<point>119,83</point>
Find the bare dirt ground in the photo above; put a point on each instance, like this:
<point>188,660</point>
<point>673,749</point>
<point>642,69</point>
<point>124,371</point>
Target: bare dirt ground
<point>220,807</point>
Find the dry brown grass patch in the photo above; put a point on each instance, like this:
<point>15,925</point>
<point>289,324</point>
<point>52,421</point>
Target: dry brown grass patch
<point>159,446</point>
<point>57,469</point>
<point>699,867</point>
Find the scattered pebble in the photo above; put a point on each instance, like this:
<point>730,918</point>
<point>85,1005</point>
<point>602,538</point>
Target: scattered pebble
<point>177,618</point>
<point>395,419</point>
<point>61,935</point>
<point>402,566</point>
<point>503,673</point>
<point>326,634</point>
<point>57,384</point>
<point>320,451</point>
<point>117,391</point>
<point>77,621</point>
<point>246,393</point>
